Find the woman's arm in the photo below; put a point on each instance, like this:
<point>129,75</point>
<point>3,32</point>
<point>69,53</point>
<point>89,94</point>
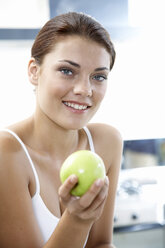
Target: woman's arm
<point>109,147</point>
<point>18,227</point>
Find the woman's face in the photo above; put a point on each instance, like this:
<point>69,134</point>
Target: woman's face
<point>72,81</point>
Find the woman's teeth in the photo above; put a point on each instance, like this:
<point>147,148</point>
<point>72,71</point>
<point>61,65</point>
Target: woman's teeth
<point>75,105</point>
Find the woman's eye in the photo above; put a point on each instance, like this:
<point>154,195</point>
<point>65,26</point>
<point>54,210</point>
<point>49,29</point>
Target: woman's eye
<point>100,77</point>
<point>66,71</point>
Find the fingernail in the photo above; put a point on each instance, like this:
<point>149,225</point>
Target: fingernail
<point>98,182</point>
<point>73,178</point>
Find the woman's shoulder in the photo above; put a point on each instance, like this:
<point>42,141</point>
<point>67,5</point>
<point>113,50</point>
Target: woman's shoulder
<point>105,133</point>
<point>10,147</point>
<point>11,136</point>
<point>107,140</point>
<point>8,143</point>
<point>12,158</point>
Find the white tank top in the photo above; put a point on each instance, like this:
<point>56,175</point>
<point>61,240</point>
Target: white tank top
<point>46,220</point>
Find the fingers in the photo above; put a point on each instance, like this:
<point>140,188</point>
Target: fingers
<point>64,190</point>
<point>94,210</point>
<point>91,204</point>
<point>101,197</point>
<point>96,194</point>
<point>85,201</point>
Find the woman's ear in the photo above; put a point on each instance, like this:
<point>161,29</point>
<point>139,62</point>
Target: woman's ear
<point>33,71</point>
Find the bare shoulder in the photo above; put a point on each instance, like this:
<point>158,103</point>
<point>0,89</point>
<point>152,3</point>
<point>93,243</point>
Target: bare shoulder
<point>105,130</point>
<point>11,155</point>
<point>108,141</point>
<point>13,162</point>
<point>104,134</point>
<point>8,143</point>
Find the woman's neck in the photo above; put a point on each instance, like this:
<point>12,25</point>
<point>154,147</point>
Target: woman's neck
<point>51,138</point>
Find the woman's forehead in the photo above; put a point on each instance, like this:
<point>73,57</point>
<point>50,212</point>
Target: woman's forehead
<point>80,50</point>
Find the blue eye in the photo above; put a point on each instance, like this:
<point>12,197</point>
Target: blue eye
<point>100,78</point>
<point>66,71</point>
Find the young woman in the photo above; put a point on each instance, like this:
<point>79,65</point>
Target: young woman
<point>71,59</point>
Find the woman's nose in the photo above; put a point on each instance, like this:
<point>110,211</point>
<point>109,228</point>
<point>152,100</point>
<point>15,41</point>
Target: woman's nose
<point>83,87</point>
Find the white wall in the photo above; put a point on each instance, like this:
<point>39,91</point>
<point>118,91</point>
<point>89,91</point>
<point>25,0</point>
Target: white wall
<point>23,13</point>
<point>17,99</point>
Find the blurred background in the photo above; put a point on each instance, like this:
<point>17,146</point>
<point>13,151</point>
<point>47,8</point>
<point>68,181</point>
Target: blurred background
<point>134,102</point>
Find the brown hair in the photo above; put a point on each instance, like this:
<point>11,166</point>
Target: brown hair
<point>71,23</point>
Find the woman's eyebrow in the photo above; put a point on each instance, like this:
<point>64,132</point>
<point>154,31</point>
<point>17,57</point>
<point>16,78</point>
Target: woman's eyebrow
<point>102,69</point>
<point>78,66</point>
<point>70,62</point>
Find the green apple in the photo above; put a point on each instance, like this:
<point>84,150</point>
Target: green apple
<point>87,166</point>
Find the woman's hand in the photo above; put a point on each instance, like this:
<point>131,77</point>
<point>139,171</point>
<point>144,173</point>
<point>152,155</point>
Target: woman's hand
<point>91,204</point>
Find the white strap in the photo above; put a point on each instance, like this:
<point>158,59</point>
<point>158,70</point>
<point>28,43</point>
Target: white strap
<point>28,156</point>
<point>90,140</point>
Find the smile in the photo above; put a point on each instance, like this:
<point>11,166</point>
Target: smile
<point>76,106</point>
